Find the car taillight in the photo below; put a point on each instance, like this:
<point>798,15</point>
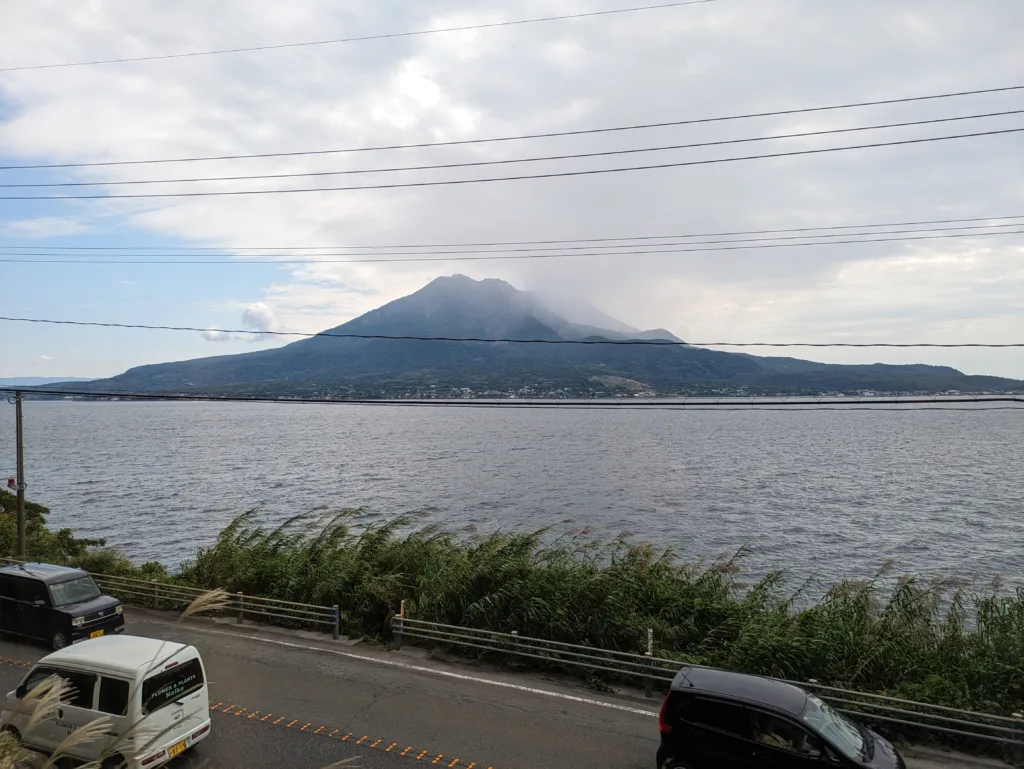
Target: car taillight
<point>152,758</point>
<point>201,732</point>
<point>663,725</point>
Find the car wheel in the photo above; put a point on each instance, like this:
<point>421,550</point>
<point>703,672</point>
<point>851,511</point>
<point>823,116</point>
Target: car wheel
<point>673,763</point>
<point>114,762</point>
<point>59,641</point>
<point>8,729</point>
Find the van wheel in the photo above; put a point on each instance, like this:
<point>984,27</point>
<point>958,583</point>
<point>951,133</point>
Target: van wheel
<point>674,764</point>
<point>59,641</point>
<point>8,729</point>
<point>114,762</point>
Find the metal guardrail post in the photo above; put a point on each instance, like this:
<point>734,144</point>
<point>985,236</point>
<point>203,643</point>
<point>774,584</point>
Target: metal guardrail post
<point>336,618</point>
<point>1018,750</point>
<point>649,681</point>
<point>241,607</point>
<point>156,594</point>
<point>398,627</point>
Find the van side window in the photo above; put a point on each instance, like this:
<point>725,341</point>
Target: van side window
<point>36,677</point>
<point>721,716</point>
<point>82,687</point>
<point>33,590</point>
<point>15,587</point>
<point>171,684</point>
<point>7,586</point>
<point>113,696</point>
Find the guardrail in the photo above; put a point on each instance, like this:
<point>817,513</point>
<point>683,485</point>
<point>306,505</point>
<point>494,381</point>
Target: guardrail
<point>162,595</point>
<point>658,672</point>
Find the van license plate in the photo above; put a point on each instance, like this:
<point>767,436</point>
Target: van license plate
<point>176,749</point>
<point>95,634</point>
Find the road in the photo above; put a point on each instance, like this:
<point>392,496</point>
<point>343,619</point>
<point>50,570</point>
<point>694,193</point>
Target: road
<point>293,700</point>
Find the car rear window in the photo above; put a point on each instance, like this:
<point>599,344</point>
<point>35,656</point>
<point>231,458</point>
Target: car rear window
<point>170,685</point>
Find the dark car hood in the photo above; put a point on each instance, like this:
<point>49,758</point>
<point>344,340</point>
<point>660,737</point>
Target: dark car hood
<point>884,756</point>
<point>101,603</point>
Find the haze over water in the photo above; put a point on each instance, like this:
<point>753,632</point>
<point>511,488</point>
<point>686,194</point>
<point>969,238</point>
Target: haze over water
<point>825,492</point>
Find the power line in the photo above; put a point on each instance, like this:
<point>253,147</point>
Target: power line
<point>491,257</point>
<point>553,175</point>
<point>627,342</point>
<point>539,242</point>
<point>522,137</point>
<point>617,246</point>
<point>535,159</point>
<point>935,403</point>
<point>362,38</point>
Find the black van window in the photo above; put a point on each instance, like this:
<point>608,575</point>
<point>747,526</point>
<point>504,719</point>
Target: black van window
<point>16,587</point>
<point>33,590</point>
<point>113,696</point>
<point>82,687</point>
<point>171,685</point>
<point>7,586</point>
<point>721,716</point>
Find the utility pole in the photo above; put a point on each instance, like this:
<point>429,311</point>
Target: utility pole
<point>20,430</point>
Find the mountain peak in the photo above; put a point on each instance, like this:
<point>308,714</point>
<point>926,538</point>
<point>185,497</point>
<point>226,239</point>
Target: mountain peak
<point>459,307</point>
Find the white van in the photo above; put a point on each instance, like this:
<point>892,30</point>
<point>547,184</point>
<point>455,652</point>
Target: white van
<point>153,693</point>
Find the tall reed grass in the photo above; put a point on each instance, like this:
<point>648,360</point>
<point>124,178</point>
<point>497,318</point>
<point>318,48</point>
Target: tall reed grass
<point>933,641</point>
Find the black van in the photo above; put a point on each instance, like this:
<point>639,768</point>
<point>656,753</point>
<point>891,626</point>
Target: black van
<point>714,719</point>
<point>55,604</point>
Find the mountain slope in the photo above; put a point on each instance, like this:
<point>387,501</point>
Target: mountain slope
<point>459,307</point>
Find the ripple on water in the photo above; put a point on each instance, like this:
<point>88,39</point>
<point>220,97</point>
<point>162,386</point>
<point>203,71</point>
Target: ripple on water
<point>829,492</point>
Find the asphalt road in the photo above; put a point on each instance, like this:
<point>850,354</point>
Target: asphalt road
<point>284,700</point>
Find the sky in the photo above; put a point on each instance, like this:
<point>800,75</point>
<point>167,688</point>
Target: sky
<point>719,58</point>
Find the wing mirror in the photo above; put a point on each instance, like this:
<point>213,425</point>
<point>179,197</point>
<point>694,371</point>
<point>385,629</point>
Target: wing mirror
<point>20,692</point>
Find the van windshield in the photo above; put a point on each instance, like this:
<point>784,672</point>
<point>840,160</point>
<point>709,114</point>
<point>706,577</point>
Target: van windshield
<point>835,727</point>
<point>76,590</point>
<point>171,684</point>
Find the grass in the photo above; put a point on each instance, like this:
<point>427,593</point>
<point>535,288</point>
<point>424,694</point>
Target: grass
<point>931,641</point>
<point>935,641</point>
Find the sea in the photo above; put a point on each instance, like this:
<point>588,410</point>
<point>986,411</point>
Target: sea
<point>819,494</point>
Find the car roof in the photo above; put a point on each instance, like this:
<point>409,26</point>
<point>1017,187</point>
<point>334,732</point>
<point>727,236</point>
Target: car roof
<point>47,572</point>
<point>756,690</point>
<point>125,654</point>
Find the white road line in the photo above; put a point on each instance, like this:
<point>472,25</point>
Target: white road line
<point>417,668</point>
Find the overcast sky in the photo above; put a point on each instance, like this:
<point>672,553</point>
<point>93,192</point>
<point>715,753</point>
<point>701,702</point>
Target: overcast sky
<point>718,58</point>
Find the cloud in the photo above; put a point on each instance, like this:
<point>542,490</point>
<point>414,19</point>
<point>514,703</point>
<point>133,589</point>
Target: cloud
<point>259,316</point>
<point>45,227</point>
<point>214,334</point>
<point>44,357</point>
<point>671,64</point>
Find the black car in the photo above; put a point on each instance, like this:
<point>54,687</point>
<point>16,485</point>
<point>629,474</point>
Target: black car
<point>714,719</point>
<point>55,604</point>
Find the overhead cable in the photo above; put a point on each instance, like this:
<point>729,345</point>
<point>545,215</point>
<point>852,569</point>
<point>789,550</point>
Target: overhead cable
<point>521,137</point>
<point>552,175</point>
<point>507,161</point>
<point>614,342</point>
<point>539,242</point>
<point>362,38</point>
<point>455,257</point>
